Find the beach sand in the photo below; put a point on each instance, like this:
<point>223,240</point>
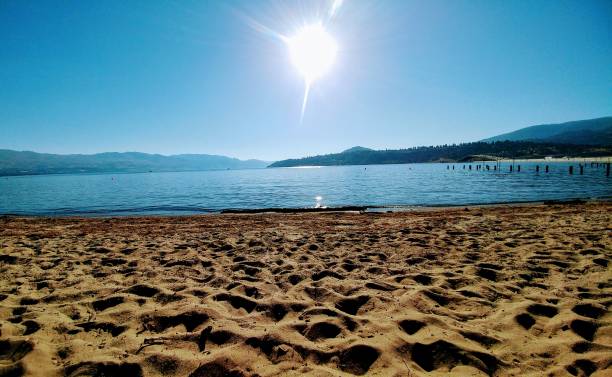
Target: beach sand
<point>504,291</point>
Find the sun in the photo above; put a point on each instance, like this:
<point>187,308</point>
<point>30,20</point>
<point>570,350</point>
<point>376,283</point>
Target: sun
<point>312,51</point>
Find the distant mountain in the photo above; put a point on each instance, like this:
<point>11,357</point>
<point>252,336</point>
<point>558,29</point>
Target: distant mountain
<point>22,163</point>
<point>450,153</point>
<point>356,149</point>
<point>585,132</point>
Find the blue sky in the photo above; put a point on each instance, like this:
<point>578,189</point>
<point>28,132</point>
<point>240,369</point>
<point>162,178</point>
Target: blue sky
<point>196,77</point>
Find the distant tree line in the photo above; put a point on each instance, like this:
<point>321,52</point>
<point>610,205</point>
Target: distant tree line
<point>450,153</point>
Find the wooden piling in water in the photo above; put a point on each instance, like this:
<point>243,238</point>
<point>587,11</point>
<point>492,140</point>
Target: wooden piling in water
<point>537,168</point>
<point>571,169</point>
<point>511,168</point>
<point>518,168</point>
<point>547,168</point>
<point>581,169</point>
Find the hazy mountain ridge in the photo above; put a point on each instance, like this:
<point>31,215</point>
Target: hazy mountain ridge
<point>585,132</point>
<point>26,162</point>
<point>449,153</point>
<point>583,138</point>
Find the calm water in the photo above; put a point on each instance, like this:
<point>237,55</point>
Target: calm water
<point>372,185</point>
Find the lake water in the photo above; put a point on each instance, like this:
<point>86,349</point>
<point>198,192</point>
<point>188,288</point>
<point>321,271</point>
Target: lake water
<point>371,185</point>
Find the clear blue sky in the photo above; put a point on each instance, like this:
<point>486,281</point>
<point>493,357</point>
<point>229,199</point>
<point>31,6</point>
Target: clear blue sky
<point>195,76</point>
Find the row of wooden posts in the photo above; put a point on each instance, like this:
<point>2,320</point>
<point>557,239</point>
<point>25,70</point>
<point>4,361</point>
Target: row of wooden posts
<point>497,166</point>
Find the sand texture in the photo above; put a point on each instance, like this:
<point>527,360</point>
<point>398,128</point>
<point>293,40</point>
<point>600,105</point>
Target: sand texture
<point>500,291</point>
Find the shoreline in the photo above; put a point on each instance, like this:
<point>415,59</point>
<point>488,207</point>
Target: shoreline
<point>587,160</point>
<point>298,210</point>
<point>600,159</point>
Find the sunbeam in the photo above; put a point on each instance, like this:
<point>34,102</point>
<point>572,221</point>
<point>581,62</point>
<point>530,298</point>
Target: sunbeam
<point>304,101</point>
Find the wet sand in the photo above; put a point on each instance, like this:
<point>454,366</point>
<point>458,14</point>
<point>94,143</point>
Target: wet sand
<point>503,291</point>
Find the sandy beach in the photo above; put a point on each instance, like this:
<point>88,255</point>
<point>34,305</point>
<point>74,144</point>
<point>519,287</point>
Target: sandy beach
<point>500,291</point>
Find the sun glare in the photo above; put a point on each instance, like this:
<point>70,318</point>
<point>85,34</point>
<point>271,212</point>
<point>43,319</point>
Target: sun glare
<point>312,51</point>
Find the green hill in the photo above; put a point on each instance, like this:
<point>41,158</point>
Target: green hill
<point>584,132</point>
<point>450,153</point>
